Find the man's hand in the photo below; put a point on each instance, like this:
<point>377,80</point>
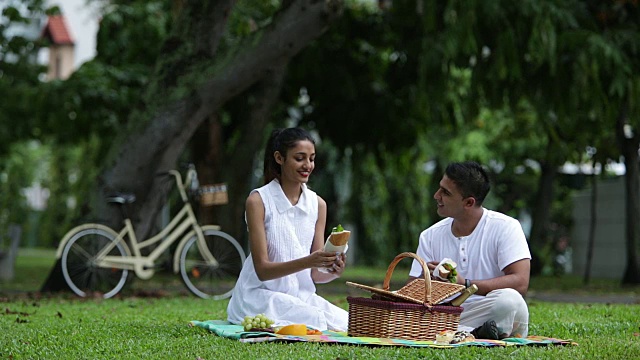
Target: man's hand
<point>432,266</point>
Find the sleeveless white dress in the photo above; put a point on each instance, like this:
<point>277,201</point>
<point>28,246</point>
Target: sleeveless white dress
<point>290,299</point>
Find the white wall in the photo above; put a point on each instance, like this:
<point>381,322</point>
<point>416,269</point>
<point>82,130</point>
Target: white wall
<point>609,254</point>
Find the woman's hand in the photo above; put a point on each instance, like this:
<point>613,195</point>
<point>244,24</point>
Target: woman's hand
<point>322,259</point>
<point>338,266</point>
<point>333,269</point>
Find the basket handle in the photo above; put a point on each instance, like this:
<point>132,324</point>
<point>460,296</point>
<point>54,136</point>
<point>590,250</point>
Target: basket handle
<point>425,271</point>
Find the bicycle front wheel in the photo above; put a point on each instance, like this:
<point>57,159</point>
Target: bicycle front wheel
<point>212,280</point>
<point>80,267</point>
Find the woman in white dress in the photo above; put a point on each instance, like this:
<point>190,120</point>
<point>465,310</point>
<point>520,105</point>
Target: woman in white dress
<point>286,223</point>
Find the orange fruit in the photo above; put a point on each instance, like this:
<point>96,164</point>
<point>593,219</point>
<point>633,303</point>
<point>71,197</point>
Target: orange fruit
<point>293,329</point>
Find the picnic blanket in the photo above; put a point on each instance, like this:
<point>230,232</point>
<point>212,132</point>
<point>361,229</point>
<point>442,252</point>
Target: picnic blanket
<point>236,332</point>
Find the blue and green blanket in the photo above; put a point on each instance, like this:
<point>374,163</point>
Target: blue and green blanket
<point>236,332</point>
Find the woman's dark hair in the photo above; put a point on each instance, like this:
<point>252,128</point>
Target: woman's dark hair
<point>471,178</point>
<point>281,140</point>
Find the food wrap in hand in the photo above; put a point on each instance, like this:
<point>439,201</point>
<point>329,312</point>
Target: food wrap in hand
<point>436,271</point>
<point>337,242</point>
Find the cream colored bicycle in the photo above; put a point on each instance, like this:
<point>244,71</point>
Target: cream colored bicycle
<point>97,259</point>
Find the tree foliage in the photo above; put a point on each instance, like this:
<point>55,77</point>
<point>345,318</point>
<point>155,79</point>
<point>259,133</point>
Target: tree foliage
<point>19,74</point>
<point>394,93</point>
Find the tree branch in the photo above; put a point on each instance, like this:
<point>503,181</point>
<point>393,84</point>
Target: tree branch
<point>292,30</point>
<point>164,137</point>
<point>160,142</point>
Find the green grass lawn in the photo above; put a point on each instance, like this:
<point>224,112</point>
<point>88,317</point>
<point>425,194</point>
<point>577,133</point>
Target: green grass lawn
<point>62,327</point>
<point>33,267</point>
<point>33,326</point>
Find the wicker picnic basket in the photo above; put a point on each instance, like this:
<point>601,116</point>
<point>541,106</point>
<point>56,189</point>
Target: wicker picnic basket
<point>408,313</point>
<point>215,194</point>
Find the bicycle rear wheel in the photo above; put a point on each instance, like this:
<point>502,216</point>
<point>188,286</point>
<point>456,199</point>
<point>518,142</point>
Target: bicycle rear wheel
<point>207,280</point>
<point>80,268</point>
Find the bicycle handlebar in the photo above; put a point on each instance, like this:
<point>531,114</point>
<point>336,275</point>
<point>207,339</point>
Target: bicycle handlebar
<point>191,180</point>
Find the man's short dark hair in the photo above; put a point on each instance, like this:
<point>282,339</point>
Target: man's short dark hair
<point>470,178</point>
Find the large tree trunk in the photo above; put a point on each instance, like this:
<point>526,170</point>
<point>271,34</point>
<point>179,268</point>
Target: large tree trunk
<point>593,223</point>
<point>629,148</point>
<point>233,165</point>
<point>540,217</point>
<point>192,83</point>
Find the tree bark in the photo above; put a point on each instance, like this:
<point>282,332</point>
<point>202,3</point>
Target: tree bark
<point>629,148</point>
<point>234,164</point>
<point>593,223</point>
<point>174,111</point>
<point>540,217</point>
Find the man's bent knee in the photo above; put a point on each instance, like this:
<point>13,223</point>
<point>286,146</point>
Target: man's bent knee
<point>508,300</point>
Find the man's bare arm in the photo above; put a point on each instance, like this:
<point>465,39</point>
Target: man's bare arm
<point>516,276</point>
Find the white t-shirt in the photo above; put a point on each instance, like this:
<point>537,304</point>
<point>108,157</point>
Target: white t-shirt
<point>496,242</point>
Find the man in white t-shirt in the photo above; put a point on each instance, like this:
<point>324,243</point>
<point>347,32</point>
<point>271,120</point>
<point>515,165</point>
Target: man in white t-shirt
<point>490,250</point>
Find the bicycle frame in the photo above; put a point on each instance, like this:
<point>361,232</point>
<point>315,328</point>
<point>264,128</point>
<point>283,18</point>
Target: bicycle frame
<point>143,266</point>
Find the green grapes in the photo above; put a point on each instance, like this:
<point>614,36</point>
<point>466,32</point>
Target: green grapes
<point>259,321</point>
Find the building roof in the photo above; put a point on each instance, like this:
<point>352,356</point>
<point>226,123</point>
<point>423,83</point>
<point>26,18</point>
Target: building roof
<point>57,31</point>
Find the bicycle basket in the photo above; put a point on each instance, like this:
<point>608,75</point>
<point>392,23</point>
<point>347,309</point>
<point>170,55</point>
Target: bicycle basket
<point>214,194</point>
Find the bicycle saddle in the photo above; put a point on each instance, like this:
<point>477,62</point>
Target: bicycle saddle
<point>121,198</point>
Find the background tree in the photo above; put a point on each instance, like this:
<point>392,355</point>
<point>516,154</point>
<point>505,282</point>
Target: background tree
<point>19,72</point>
<point>393,94</point>
<point>19,80</point>
<point>535,60</point>
<point>611,63</point>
